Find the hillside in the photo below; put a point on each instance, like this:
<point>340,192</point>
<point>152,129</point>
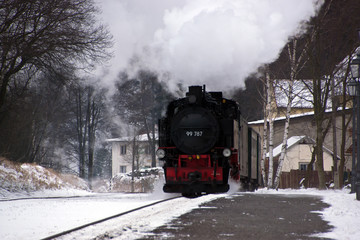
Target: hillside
<point>19,180</point>
<point>24,179</point>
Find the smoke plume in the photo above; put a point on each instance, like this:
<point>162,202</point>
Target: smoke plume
<point>217,43</point>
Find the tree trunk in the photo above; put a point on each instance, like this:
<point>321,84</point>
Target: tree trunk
<point>285,138</point>
<point>133,163</point>
<point>309,168</point>
<point>264,141</point>
<point>152,148</point>
<point>344,127</point>
<point>81,132</point>
<point>294,65</point>
<point>333,115</point>
<point>92,120</point>
<point>320,96</point>
<point>3,90</point>
<point>271,157</point>
<point>320,163</point>
<point>271,132</point>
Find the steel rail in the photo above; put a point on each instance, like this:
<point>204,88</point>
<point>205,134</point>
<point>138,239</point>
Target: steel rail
<point>44,198</point>
<point>106,219</point>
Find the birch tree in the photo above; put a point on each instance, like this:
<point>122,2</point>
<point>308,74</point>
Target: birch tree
<point>295,66</point>
<point>286,133</point>
<point>271,116</point>
<point>265,136</point>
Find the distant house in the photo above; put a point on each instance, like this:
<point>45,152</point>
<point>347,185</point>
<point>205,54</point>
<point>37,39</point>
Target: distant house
<point>298,154</point>
<point>123,153</point>
<point>304,125</point>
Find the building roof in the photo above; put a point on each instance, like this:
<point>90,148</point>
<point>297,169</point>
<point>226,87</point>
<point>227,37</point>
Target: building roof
<point>296,140</point>
<point>261,121</point>
<point>290,142</point>
<point>139,138</point>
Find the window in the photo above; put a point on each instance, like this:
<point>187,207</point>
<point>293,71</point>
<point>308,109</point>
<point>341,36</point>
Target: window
<point>123,149</point>
<point>303,166</point>
<point>122,169</point>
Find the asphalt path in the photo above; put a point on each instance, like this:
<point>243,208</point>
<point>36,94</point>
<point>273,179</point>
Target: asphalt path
<point>249,216</point>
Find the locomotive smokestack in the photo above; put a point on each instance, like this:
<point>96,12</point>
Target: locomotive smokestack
<point>195,94</point>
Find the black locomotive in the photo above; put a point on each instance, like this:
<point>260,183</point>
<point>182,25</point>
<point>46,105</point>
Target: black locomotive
<point>203,140</point>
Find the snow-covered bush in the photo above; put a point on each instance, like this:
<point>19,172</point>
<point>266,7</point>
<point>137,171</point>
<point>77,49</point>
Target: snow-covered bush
<point>144,180</point>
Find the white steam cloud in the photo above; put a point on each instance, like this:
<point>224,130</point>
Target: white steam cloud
<point>217,43</point>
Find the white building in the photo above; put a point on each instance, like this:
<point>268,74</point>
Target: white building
<point>298,154</point>
<point>122,154</point>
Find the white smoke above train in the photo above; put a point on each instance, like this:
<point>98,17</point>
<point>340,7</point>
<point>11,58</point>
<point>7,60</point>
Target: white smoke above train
<point>217,43</point>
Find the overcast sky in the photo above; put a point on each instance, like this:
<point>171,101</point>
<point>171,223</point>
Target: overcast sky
<point>213,42</point>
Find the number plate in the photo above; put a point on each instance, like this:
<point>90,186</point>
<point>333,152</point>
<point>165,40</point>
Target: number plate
<point>194,133</point>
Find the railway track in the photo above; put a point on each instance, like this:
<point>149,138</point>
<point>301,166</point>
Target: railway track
<point>47,198</point>
<point>106,219</point>
<point>43,198</point>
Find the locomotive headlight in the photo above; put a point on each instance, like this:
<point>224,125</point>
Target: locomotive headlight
<point>226,152</point>
<point>192,99</point>
<point>160,153</point>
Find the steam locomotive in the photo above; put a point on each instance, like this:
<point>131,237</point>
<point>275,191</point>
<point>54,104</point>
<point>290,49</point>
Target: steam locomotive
<point>204,140</point>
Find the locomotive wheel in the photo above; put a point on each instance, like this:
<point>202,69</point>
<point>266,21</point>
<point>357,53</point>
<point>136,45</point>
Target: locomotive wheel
<point>191,195</point>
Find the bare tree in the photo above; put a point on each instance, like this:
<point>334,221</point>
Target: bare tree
<point>340,77</point>
<point>329,43</point>
<point>325,43</point>
<point>88,111</point>
<point>271,114</point>
<point>47,35</point>
<point>140,101</point>
<point>25,129</point>
<point>265,137</point>
<point>81,129</point>
<point>344,122</point>
<point>95,115</point>
<point>296,62</point>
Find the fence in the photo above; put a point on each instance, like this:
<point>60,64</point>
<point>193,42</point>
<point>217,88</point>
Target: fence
<point>293,179</point>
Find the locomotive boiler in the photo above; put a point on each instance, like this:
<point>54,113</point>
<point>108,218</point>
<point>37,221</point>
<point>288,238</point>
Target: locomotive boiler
<point>204,141</point>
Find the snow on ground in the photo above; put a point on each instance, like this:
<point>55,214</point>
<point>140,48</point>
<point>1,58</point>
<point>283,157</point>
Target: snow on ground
<point>343,213</point>
<point>139,224</point>
<point>38,218</point>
